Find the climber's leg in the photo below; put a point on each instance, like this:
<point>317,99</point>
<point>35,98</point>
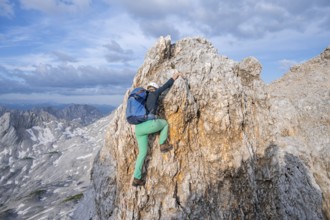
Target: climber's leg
<point>164,130</point>
<point>153,126</point>
<point>162,126</point>
<point>141,131</point>
<point>143,149</point>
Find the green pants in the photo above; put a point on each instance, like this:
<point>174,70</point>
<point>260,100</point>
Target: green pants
<point>142,131</point>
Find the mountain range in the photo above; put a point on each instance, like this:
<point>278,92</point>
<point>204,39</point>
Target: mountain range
<point>46,158</point>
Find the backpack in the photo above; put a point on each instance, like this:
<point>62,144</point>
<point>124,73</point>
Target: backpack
<point>136,111</point>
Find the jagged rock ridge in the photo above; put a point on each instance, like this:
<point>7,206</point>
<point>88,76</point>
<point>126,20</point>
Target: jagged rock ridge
<point>243,150</point>
<point>84,114</point>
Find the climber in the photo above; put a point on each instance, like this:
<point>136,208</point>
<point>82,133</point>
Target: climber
<point>152,126</point>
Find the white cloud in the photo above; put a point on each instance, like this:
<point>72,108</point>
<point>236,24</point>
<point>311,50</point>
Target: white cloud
<point>65,79</point>
<point>158,28</point>
<point>241,19</point>
<point>115,36</point>
<point>63,57</point>
<point>26,62</point>
<point>6,9</point>
<point>156,9</point>
<point>117,54</point>
<point>57,6</point>
<point>57,98</point>
<point>285,64</point>
<point>72,59</point>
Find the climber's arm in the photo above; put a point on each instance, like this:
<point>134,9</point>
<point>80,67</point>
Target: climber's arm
<point>169,83</point>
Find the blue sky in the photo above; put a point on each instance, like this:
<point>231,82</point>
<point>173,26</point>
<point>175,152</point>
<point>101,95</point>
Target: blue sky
<point>85,51</point>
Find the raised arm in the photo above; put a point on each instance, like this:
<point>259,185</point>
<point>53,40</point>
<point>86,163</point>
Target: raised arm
<point>169,82</point>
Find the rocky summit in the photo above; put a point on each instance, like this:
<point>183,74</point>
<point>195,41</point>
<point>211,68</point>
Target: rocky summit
<point>242,149</point>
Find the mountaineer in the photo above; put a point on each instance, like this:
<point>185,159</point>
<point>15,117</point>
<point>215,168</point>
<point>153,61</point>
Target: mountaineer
<point>149,123</point>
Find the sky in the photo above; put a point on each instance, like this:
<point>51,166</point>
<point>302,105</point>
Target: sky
<point>88,51</point>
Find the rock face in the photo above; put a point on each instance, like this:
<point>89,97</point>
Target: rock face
<point>242,149</point>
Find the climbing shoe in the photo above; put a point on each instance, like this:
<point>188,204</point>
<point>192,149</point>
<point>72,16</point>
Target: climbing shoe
<point>165,147</point>
<point>138,182</point>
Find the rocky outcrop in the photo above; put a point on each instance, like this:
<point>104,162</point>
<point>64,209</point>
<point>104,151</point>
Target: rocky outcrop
<point>242,149</point>
<point>300,106</point>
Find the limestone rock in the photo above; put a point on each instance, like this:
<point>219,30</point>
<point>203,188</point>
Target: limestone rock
<point>300,110</point>
<point>242,150</point>
<point>326,53</point>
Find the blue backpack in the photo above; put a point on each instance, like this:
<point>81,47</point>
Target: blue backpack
<point>136,111</point>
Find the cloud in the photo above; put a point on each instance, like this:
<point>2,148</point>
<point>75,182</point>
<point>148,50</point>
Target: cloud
<point>56,6</point>
<point>254,19</point>
<point>156,28</point>
<point>157,18</point>
<point>66,80</point>
<point>6,9</point>
<point>287,64</point>
<point>33,98</point>
<point>146,9</point>
<point>240,19</point>
<point>8,82</point>
<point>62,57</point>
<point>117,54</point>
<point>89,47</point>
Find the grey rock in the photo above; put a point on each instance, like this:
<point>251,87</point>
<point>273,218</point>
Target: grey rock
<point>326,53</point>
<point>242,150</point>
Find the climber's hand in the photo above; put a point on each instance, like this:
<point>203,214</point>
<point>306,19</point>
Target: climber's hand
<point>176,74</point>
